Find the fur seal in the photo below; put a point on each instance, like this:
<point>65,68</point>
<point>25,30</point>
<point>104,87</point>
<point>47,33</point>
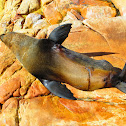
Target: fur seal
<point>52,63</point>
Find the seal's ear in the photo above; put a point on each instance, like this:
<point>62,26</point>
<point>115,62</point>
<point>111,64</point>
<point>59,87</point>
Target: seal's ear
<point>59,34</point>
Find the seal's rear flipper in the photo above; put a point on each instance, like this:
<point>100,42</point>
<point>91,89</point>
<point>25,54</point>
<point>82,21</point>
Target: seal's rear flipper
<point>121,86</point>
<point>93,54</point>
<point>58,89</point>
<point>59,34</point>
<point>122,75</point>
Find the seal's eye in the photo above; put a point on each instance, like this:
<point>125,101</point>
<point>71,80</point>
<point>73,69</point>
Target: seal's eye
<point>2,34</point>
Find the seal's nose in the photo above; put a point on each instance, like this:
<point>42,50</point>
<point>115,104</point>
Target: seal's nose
<point>1,36</point>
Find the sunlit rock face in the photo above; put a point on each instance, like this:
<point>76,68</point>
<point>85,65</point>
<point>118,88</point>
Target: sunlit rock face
<point>97,27</point>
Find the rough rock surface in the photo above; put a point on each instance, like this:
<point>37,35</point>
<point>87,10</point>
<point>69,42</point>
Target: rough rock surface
<point>121,5</point>
<point>97,108</point>
<point>22,100</point>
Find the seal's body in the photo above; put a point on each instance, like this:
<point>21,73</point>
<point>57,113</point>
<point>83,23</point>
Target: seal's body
<point>52,63</point>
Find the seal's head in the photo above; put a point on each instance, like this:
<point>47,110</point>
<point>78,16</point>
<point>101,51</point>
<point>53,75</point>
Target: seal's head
<point>6,38</point>
<point>18,43</point>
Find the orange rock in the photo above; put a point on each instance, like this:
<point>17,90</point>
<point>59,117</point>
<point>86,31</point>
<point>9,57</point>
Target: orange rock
<point>80,39</point>
<point>77,15</point>
<point>69,112</point>
<point>123,11</point>
<point>11,7</point>
<point>9,113</point>
<point>7,58</point>
<point>40,25</point>
<point>92,2</point>
<point>100,107</point>
<point>39,111</point>
<point>4,23</point>
<point>113,31</point>
<point>98,12</point>
<point>29,32</point>
<point>45,2</point>
<point>28,6</point>
<point>52,14</point>
<point>121,5</point>
<point>73,17</point>
<point>26,79</point>
<point>31,19</point>
<point>99,37</point>
<point>10,71</point>
<point>106,94</point>
<point>18,23</point>
<point>36,89</point>
<point>7,89</point>
<point>64,6</point>
<point>70,15</point>
<point>17,93</point>
<point>41,34</point>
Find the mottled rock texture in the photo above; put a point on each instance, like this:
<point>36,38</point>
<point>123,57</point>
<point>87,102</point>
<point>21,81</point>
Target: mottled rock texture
<point>24,101</point>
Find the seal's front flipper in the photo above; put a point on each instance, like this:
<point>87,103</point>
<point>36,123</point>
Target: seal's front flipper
<point>121,86</point>
<point>59,34</point>
<point>58,89</point>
